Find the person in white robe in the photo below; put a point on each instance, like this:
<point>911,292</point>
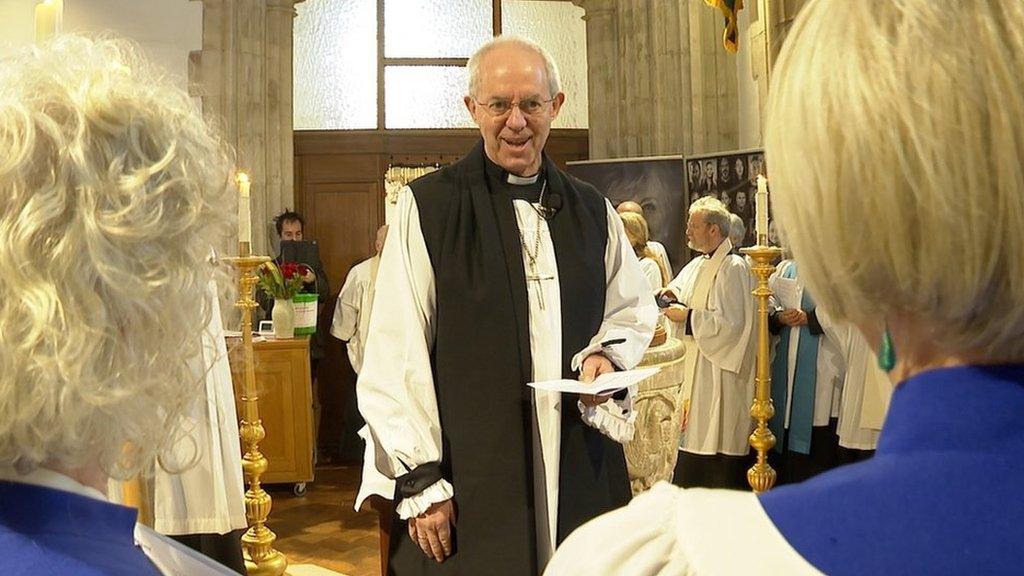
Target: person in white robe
<point>656,248</point>
<point>636,231</point>
<point>203,506</point>
<point>813,370</point>
<point>737,232</point>
<point>351,321</point>
<point>351,324</point>
<point>714,314</point>
<point>196,494</point>
<point>864,399</point>
<point>505,182</point>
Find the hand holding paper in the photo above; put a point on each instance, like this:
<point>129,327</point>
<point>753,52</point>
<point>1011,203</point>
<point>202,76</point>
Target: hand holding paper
<point>603,385</point>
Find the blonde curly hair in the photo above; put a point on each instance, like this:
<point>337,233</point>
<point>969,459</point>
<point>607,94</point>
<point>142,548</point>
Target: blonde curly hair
<point>114,191</point>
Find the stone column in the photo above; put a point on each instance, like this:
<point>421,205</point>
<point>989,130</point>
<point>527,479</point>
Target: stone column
<point>782,14</point>
<point>244,77</point>
<point>602,76</point>
<point>660,81</point>
<point>280,149</point>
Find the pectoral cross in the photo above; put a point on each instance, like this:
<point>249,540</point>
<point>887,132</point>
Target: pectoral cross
<point>535,277</point>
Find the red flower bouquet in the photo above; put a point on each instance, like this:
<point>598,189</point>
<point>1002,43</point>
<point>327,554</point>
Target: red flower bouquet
<point>282,282</point>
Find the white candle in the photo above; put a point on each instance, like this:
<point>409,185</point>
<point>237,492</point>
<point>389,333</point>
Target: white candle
<point>761,210</point>
<point>244,220</point>
<point>47,19</point>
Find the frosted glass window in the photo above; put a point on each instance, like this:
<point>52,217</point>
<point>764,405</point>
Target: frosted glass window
<point>335,65</point>
<point>435,28</point>
<point>425,97</point>
<point>560,29</point>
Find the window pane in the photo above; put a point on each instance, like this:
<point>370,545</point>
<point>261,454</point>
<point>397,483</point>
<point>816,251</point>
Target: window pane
<point>560,29</point>
<point>335,62</point>
<point>435,28</point>
<point>425,97</point>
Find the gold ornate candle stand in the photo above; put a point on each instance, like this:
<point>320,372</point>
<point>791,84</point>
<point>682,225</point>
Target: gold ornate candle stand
<point>761,476</point>
<point>258,542</point>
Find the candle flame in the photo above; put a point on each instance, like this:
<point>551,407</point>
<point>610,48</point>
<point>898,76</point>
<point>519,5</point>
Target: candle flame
<point>242,177</point>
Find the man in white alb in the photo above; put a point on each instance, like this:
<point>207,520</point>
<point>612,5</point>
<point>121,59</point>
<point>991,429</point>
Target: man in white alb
<point>715,317</point>
<point>501,269</point>
<point>351,324</point>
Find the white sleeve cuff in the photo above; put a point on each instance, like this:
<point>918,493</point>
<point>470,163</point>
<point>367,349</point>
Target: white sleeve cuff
<point>596,348</point>
<point>612,419</point>
<point>437,492</point>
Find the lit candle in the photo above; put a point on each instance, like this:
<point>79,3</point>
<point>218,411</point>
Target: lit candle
<point>47,19</point>
<point>244,221</point>
<point>761,210</point>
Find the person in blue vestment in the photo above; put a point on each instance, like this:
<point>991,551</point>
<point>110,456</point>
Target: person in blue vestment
<point>895,134</point>
<point>807,369</point>
<point>113,191</point>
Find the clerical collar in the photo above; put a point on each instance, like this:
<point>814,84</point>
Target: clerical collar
<point>506,177</point>
<point>523,180</point>
<point>715,251</point>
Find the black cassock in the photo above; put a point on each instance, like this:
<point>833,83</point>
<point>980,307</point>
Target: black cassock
<point>481,364</point>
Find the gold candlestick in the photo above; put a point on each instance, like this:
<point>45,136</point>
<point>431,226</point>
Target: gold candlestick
<point>258,541</point>
<point>761,476</point>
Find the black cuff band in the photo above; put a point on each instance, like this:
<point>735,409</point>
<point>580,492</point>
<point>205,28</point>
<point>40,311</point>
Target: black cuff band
<point>813,324</point>
<point>418,480</point>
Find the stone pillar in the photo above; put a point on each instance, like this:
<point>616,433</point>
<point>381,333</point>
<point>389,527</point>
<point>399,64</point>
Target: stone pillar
<point>244,77</point>
<point>782,14</point>
<point>280,150</point>
<point>602,76</point>
<point>660,81</point>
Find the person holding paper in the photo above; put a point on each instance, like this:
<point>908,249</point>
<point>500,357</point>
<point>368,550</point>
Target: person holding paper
<point>501,270</point>
<point>711,304</point>
<point>807,370</point>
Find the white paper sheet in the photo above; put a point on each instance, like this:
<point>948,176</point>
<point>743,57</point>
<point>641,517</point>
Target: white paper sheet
<point>603,385</point>
<point>787,293</point>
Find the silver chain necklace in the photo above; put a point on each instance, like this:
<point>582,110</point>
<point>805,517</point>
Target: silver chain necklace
<point>531,257</point>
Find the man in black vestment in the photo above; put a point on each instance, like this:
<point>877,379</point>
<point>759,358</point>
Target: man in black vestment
<point>500,270</point>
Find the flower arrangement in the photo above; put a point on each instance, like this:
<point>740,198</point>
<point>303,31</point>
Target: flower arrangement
<point>282,282</point>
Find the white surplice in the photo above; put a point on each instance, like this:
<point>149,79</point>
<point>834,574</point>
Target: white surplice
<point>396,388</point>
<point>658,249</point>
<point>652,272</point>
<point>351,322</point>
<point>208,497</point>
<point>864,400</point>
<point>668,531</point>
<point>722,386</point>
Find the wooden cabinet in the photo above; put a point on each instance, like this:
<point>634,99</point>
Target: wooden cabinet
<point>285,403</point>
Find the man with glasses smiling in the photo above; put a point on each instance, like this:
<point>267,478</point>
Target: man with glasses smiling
<point>500,270</point>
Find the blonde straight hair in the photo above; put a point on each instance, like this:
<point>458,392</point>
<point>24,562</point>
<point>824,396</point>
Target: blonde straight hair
<point>895,149</point>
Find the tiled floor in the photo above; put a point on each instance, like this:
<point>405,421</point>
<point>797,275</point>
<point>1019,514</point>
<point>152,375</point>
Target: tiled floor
<point>322,529</point>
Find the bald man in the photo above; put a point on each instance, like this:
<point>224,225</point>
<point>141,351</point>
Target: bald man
<point>655,247</point>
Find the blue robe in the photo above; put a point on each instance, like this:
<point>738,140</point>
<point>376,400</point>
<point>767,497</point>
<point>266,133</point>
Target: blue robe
<point>942,494</point>
<point>47,531</point>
